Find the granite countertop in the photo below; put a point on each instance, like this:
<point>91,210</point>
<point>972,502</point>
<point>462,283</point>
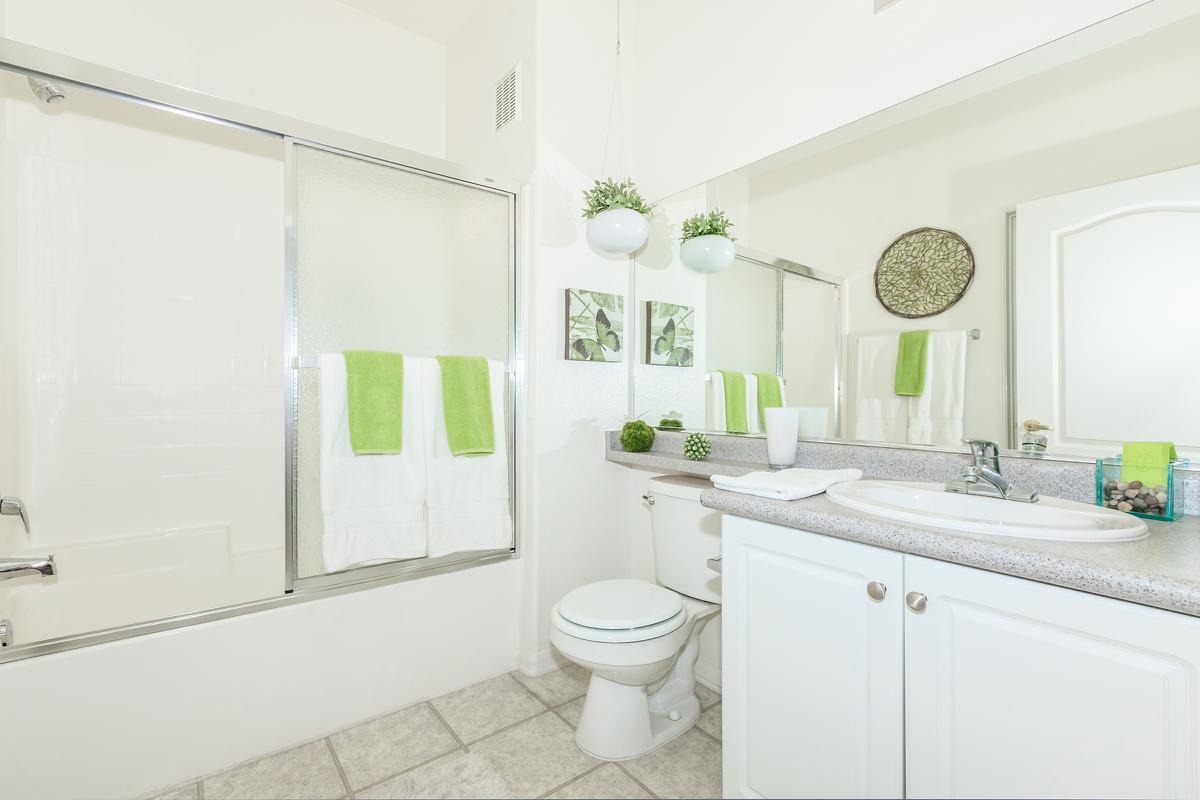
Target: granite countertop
<point>1162,570</point>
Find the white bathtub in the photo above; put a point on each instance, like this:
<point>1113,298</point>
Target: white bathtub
<point>119,582</point>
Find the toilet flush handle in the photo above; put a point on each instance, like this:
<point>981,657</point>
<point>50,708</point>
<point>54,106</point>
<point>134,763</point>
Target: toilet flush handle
<point>649,498</point>
<point>715,564</point>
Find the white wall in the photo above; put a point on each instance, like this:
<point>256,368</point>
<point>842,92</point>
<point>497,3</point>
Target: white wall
<point>1113,115</point>
<point>316,60</point>
<point>721,86</point>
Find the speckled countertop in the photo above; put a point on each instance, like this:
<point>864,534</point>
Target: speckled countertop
<point>1162,570</point>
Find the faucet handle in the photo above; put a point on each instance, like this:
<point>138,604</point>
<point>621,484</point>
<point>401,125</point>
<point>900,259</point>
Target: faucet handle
<point>13,506</point>
<point>985,452</point>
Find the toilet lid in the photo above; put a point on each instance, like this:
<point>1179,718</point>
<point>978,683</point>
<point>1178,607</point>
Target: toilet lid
<point>619,604</point>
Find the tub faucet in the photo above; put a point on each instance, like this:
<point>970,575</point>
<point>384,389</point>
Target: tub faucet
<point>20,567</point>
<point>983,476</point>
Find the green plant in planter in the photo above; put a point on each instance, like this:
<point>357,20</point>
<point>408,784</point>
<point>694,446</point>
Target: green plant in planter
<point>609,194</point>
<point>714,223</point>
<point>697,446</point>
<point>637,436</point>
<point>673,420</point>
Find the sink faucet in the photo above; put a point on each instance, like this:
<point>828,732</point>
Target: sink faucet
<point>20,567</point>
<point>983,476</point>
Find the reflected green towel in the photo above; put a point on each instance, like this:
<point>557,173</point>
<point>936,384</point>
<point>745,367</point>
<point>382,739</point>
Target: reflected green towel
<point>770,395</point>
<point>1147,462</point>
<point>735,402</point>
<point>910,363</point>
<point>467,404</point>
<point>375,401</point>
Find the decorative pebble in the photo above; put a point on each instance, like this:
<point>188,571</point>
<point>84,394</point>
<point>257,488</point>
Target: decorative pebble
<point>1131,492</point>
<point>1160,490</point>
<point>1138,503</point>
<point>1162,496</point>
<point>1124,507</point>
<point>1136,484</point>
<point>1122,485</point>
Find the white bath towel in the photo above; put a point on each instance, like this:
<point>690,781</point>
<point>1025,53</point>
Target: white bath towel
<point>752,420</point>
<point>879,414</point>
<point>935,417</point>
<point>788,484</point>
<point>373,506</point>
<point>468,498</point>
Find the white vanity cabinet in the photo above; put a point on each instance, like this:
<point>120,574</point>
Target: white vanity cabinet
<point>998,687</point>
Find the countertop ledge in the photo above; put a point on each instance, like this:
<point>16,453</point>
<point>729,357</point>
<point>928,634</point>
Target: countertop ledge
<point>1162,571</point>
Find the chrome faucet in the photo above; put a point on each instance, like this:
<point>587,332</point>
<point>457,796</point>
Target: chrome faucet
<point>20,567</point>
<point>12,506</point>
<point>983,476</point>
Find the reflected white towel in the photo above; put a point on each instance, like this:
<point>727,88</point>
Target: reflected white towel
<point>879,414</point>
<point>714,411</point>
<point>468,499</point>
<point>752,420</point>
<point>936,416</point>
<point>788,484</point>
<point>373,506</point>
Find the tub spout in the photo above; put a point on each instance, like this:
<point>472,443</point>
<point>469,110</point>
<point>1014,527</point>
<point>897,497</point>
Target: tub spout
<point>20,567</point>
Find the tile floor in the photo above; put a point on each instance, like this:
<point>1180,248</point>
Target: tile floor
<point>510,736</point>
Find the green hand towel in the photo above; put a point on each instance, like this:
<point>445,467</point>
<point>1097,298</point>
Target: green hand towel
<point>467,404</point>
<point>735,402</point>
<point>770,395</point>
<point>1146,462</point>
<point>910,363</point>
<point>375,401</point>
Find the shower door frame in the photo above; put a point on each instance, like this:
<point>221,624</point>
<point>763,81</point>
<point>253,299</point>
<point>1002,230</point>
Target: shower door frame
<point>27,60</point>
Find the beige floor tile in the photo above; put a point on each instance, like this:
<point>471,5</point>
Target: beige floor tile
<point>535,756</point>
<point>572,711</point>
<point>459,774</point>
<point>688,767</point>
<point>560,686</point>
<point>302,773</point>
<point>482,709</point>
<point>708,698</point>
<point>188,791</point>
<point>710,722</point>
<point>382,747</point>
<point>607,782</point>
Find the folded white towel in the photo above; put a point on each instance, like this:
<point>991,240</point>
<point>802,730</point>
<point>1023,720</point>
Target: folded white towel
<point>879,414</point>
<point>935,417</point>
<point>788,484</point>
<point>373,506</point>
<point>468,495</point>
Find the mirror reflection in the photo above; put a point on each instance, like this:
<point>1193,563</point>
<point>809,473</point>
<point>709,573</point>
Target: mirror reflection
<point>1012,257</point>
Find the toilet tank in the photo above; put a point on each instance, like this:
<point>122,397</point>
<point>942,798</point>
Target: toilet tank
<point>686,535</point>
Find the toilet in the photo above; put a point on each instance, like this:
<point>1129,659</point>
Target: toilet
<point>640,640</point>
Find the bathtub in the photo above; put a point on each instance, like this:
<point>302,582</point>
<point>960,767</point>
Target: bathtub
<point>112,583</point>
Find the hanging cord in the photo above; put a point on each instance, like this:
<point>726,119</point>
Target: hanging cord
<point>616,105</point>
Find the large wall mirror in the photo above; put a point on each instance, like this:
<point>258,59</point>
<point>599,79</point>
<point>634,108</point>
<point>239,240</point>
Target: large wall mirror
<point>1061,189</point>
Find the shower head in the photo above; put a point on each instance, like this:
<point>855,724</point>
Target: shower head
<point>46,91</point>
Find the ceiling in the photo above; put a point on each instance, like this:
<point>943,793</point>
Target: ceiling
<point>439,20</point>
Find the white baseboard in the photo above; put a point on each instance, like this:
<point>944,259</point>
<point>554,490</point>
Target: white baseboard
<point>540,662</point>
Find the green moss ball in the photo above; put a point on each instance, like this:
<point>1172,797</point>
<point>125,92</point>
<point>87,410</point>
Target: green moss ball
<point>637,436</point>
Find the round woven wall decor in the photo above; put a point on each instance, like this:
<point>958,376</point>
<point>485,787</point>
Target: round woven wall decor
<point>923,273</point>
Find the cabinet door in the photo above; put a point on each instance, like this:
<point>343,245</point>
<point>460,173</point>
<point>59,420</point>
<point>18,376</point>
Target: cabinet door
<point>813,681</point>
<point>1020,689</point>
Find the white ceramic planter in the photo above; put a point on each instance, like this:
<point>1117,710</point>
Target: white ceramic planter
<point>707,254</point>
<point>618,230</point>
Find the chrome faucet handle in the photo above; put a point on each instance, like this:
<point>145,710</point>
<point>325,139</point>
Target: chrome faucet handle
<point>12,506</point>
<point>986,453</point>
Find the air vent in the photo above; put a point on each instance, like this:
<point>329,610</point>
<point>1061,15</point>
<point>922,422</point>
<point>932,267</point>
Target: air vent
<point>508,101</point>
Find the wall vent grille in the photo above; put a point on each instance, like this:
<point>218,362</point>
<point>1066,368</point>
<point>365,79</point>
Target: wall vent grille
<point>508,103</point>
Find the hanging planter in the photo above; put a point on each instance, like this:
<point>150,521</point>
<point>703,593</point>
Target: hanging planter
<point>617,215</point>
<point>707,247</point>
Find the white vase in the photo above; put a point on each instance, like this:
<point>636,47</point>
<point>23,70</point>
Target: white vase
<point>782,431</point>
<point>618,230</point>
<point>707,254</point>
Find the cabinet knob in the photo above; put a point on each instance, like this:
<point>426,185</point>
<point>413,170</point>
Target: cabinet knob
<point>916,601</point>
<point>876,591</point>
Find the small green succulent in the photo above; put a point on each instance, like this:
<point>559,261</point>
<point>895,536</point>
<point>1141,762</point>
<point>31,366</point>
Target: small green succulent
<point>606,195</point>
<point>714,223</point>
<point>697,446</point>
<point>637,436</point>
<point>670,422</point>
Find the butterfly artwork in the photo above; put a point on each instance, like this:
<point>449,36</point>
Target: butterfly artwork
<point>595,326</point>
<point>670,338</point>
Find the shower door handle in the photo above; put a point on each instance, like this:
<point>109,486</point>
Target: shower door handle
<point>12,506</point>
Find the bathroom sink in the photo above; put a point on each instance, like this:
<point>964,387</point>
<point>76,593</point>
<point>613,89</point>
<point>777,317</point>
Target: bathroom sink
<point>929,504</point>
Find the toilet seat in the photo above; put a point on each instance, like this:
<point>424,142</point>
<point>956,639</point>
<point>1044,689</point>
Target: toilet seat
<point>622,610</point>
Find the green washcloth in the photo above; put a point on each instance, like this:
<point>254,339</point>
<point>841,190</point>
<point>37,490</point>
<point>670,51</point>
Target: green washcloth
<point>375,401</point>
<point>735,402</point>
<point>1147,462</point>
<point>770,395</point>
<point>467,404</point>
<point>910,363</point>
